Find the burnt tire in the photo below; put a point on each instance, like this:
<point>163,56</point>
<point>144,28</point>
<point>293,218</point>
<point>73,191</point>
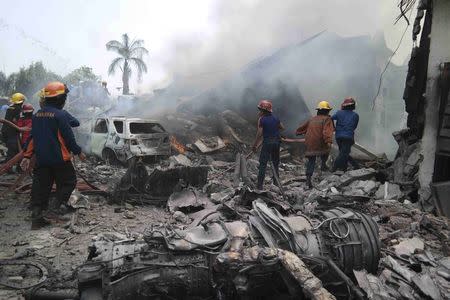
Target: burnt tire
<point>109,156</point>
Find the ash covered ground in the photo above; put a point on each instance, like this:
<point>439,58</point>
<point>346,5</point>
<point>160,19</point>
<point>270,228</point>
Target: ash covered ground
<point>414,245</point>
<point>210,179</point>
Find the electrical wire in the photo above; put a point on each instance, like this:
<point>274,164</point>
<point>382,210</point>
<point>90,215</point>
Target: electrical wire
<point>404,6</point>
<point>337,235</point>
<point>388,63</point>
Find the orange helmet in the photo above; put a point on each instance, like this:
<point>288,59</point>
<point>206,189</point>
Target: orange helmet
<point>265,105</point>
<point>55,88</point>
<point>27,108</point>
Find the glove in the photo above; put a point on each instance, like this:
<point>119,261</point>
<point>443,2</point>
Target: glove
<point>82,156</point>
<point>25,164</point>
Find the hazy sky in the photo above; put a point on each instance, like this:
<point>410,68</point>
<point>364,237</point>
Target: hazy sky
<point>187,37</point>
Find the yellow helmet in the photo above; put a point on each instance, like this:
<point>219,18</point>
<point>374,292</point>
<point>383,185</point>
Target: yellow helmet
<point>324,105</point>
<point>17,98</point>
<point>41,95</point>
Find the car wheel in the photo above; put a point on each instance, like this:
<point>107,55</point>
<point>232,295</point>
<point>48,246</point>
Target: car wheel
<point>110,157</point>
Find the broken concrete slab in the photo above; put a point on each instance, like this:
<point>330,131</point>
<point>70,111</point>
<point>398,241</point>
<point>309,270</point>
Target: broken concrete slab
<point>215,186</point>
<point>427,286</point>
<point>222,196</point>
<point>181,160</point>
<point>372,285</point>
<point>408,247</point>
<point>366,186</point>
<point>345,199</point>
<point>332,180</point>
<point>235,128</point>
<point>412,163</point>
<point>389,191</point>
<point>399,222</point>
<point>129,215</point>
<point>209,145</point>
<point>77,200</point>
<point>220,164</point>
<point>359,174</point>
<point>397,268</point>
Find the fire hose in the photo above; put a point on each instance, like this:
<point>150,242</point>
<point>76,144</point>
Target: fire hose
<point>13,161</point>
<point>11,124</point>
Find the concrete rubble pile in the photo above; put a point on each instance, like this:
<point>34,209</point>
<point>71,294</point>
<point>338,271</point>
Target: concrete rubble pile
<point>193,227</point>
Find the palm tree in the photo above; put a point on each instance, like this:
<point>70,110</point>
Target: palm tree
<point>131,54</point>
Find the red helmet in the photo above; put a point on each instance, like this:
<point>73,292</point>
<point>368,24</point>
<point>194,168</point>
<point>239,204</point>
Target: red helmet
<point>348,102</point>
<point>27,108</point>
<point>265,105</point>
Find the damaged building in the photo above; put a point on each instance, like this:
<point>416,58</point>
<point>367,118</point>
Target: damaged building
<point>426,97</point>
<point>293,77</point>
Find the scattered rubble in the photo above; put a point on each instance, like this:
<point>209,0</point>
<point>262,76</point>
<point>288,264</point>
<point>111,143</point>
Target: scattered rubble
<point>197,223</point>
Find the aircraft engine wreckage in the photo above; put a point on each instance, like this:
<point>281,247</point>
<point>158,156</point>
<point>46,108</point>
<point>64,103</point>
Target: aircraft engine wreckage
<point>261,256</point>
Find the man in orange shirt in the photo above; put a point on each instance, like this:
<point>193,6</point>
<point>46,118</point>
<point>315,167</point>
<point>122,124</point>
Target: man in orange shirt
<point>318,133</point>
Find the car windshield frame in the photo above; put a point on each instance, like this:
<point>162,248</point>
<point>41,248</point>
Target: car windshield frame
<point>140,127</point>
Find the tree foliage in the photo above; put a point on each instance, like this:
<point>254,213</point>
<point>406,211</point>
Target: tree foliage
<point>83,73</point>
<point>130,55</point>
<point>27,81</point>
<point>31,79</point>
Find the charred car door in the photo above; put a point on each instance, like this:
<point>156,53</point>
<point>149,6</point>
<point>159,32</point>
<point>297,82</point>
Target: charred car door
<point>99,136</point>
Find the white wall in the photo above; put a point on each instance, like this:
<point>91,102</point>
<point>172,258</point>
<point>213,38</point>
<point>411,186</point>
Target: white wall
<point>439,53</point>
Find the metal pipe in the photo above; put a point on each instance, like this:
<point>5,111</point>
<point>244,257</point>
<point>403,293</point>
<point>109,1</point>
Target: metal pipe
<point>356,290</point>
<point>43,294</point>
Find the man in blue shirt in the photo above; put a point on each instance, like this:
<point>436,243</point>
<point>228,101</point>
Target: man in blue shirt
<point>346,123</point>
<point>269,128</point>
<point>53,144</point>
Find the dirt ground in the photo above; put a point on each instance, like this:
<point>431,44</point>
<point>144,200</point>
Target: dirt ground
<point>60,247</point>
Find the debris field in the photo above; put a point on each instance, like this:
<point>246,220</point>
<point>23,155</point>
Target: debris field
<point>193,226</point>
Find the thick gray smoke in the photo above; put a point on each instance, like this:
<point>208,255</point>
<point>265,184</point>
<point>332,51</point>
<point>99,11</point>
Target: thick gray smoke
<point>273,49</point>
<point>246,30</point>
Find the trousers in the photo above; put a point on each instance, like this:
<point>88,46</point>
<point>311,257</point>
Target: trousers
<point>270,151</point>
<point>12,146</point>
<point>342,160</point>
<point>311,163</point>
<point>43,178</point>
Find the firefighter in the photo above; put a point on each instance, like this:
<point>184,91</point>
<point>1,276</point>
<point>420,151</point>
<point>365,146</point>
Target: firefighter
<point>25,123</point>
<point>346,123</point>
<point>53,144</point>
<point>9,134</point>
<point>269,128</point>
<point>318,133</point>
<point>72,120</point>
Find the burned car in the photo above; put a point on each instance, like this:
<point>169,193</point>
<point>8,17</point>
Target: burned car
<point>117,139</point>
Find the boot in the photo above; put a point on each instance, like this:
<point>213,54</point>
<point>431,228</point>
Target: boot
<point>37,224</point>
<point>309,182</point>
<point>259,185</point>
<point>55,218</point>
<point>37,221</point>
